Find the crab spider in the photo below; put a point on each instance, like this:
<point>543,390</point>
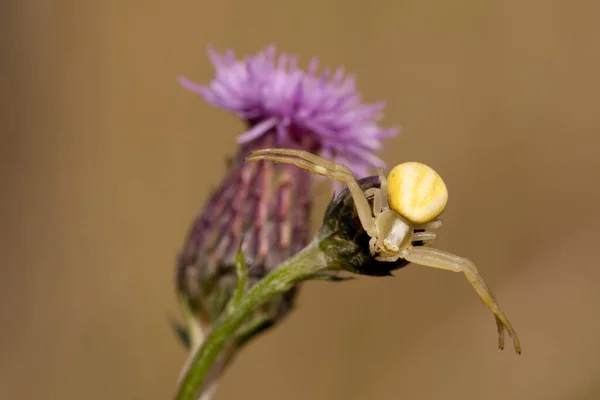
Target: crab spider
<point>411,197</point>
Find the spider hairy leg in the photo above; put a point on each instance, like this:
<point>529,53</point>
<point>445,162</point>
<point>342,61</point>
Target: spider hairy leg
<point>307,165</point>
<point>321,166</point>
<point>436,258</point>
<point>314,163</point>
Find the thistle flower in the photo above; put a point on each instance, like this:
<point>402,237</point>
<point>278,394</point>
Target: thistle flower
<point>265,208</point>
<point>277,98</point>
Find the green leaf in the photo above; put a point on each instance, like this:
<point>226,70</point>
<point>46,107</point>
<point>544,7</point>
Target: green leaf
<point>182,333</point>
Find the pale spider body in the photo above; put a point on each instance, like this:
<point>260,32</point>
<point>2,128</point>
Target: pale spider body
<point>405,208</point>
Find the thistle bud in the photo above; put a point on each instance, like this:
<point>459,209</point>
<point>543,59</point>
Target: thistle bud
<point>344,240</point>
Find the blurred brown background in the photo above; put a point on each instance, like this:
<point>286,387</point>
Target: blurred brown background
<point>105,160</point>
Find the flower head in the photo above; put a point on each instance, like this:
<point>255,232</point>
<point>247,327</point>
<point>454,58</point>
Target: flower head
<point>322,113</point>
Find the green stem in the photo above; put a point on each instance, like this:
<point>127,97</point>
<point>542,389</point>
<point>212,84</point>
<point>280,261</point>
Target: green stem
<point>304,264</point>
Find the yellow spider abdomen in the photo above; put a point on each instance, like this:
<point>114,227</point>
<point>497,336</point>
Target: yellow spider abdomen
<point>416,192</point>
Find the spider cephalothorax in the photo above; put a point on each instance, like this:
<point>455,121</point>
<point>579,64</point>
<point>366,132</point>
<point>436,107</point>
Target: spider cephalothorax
<point>405,207</point>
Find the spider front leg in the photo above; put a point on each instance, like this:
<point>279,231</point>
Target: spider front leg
<point>377,204</point>
<point>436,258</point>
<point>304,159</point>
<point>321,166</point>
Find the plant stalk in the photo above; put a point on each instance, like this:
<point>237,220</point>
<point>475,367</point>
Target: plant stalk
<point>307,262</point>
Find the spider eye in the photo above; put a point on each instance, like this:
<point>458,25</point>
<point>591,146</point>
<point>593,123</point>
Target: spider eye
<point>416,192</point>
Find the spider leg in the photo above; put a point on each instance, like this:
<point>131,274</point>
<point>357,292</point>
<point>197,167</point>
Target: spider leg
<point>373,246</point>
<point>334,170</point>
<point>383,189</point>
<point>436,258</point>
<point>424,236</point>
<point>393,258</point>
<point>377,199</point>
<point>435,224</point>
<point>310,166</point>
<point>321,166</point>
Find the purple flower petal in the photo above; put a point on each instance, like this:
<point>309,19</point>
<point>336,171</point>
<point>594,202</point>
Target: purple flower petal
<point>257,130</point>
<point>285,100</point>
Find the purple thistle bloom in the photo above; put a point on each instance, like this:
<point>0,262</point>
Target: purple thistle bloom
<point>267,204</point>
<point>273,94</point>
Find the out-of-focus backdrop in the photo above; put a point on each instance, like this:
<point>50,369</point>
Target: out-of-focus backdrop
<point>105,160</point>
